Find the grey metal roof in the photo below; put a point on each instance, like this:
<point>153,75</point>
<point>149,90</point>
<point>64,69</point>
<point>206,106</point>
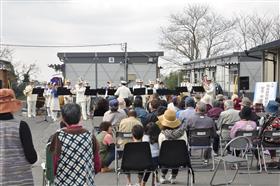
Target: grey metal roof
<point>108,54</point>
<point>267,46</point>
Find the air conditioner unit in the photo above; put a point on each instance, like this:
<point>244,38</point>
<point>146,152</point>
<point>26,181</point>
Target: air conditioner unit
<point>111,59</point>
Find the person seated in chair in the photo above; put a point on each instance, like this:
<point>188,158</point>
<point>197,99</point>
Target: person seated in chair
<point>199,120</point>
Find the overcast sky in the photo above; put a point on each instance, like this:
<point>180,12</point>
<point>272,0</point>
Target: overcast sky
<point>67,22</point>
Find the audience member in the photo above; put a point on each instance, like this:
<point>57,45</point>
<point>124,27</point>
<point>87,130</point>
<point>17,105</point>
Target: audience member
<point>114,115</point>
<point>73,148</point>
<point>245,124</point>
<point>152,132</point>
<point>102,106</point>
<point>215,112</point>
<point>171,130</point>
<point>17,151</point>
<point>140,111</point>
<point>137,135</point>
<point>152,116</point>
<point>198,120</point>
<point>184,115</point>
<point>173,105</point>
<point>106,146</point>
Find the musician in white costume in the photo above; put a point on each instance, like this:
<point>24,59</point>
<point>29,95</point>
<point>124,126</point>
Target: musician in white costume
<point>68,98</point>
<point>209,88</point>
<point>123,91</point>
<point>186,83</point>
<point>139,84</point>
<point>88,100</point>
<point>55,106</point>
<point>48,98</point>
<point>31,99</point>
<point>80,98</point>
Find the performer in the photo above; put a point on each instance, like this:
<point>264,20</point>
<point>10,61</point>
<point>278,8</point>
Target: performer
<point>68,98</point>
<point>152,87</point>
<point>31,99</point>
<point>55,106</point>
<point>157,83</point>
<point>209,88</point>
<point>123,91</point>
<point>48,98</point>
<point>88,100</point>
<point>80,97</point>
<point>186,83</point>
<point>139,84</point>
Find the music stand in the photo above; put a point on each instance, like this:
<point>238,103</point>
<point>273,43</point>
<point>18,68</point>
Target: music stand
<point>91,92</point>
<point>179,90</point>
<point>131,90</point>
<point>63,91</point>
<point>150,91</point>
<point>40,91</point>
<point>111,92</point>
<point>198,89</point>
<point>139,91</point>
<point>101,91</point>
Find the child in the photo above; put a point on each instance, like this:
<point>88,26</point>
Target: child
<point>152,132</point>
<point>137,134</point>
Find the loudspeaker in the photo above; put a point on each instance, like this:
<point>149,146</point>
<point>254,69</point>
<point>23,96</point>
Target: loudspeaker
<point>244,83</point>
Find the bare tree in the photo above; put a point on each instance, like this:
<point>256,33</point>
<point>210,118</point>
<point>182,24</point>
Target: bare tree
<point>276,28</point>
<point>196,32</point>
<point>253,30</point>
<point>6,53</point>
<point>26,71</point>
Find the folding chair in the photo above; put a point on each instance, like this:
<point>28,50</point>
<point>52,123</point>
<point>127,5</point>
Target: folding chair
<point>252,135</point>
<point>202,139</point>
<point>121,139</point>
<point>48,169</point>
<point>136,158</point>
<point>224,135</point>
<point>265,145</point>
<point>239,143</point>
<point>175,154</point>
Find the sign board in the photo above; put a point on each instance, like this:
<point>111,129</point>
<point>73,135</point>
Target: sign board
<point>265,91</point>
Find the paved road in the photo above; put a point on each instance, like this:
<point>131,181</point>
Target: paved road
<point>42,130</point>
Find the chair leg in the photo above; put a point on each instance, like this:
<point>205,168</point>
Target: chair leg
<point>249,174</point>
<point>214,174</point>
<point>44,178</point>
<point>264,162</point>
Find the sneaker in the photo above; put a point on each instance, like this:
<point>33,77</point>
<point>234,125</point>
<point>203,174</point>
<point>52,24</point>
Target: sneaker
<point>136,184</point>
<point>163,180</point>
<point>272,164</point>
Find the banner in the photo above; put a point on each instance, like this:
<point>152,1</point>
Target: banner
<point>265,91</point>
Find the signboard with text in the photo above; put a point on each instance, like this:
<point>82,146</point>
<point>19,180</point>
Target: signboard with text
<point>265,91</point>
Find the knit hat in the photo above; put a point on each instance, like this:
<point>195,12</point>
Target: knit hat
<point>8,101</point>
<point>168,119</point>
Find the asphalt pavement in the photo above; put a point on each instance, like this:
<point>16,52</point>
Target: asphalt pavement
<point>42,130</point>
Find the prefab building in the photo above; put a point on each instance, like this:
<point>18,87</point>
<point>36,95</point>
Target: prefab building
<point>100,67</point>
<point>234,72</point>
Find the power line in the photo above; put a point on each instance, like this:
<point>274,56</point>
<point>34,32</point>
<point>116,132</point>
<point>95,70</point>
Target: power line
<point>58,46</point>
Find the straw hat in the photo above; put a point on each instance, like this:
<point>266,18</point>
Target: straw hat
<point>168,119</point>
<point>8,101</point>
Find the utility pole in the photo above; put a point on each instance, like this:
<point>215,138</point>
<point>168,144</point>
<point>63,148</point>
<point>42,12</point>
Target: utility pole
<point>125,62</point>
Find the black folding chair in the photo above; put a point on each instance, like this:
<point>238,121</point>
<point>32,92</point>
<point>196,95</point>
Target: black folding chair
<point>202,139</point>
<point>270,141</point>
<point>121,139</point>
<point>136,158</point>
<point>240,143</point>
<point>175,154</point>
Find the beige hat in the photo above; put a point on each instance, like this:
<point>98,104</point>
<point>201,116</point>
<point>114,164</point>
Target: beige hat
<point>139,81</point>
<point>168,119</point>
